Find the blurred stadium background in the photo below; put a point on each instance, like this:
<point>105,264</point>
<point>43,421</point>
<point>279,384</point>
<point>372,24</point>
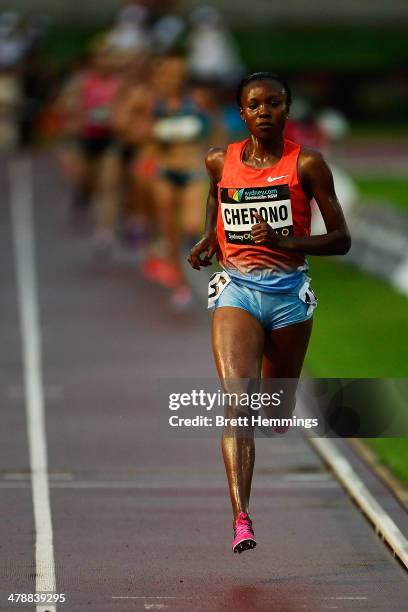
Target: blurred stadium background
<point>346,56</point>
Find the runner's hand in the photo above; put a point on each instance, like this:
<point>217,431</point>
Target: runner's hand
<point>208,245</point>
<point>263,233</point>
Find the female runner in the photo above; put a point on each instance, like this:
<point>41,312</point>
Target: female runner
<point>258,220</point>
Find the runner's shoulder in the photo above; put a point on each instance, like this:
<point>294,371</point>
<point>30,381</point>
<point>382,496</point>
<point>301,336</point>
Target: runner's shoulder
<point>312,164</point>
<point>313,170</point>
<point>215,155</point>
<point>310,157</point>
<point>214,161</point>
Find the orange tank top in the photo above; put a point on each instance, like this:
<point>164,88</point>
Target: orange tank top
<point>276,194</point>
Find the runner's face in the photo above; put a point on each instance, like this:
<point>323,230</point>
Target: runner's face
<point>264,108</point>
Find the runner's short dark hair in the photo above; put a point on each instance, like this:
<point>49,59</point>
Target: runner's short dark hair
<point>264,76</point>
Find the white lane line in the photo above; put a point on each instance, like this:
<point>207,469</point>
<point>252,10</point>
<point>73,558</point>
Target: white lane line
<point>352,598</point>
<point>21,202</point>
<point>382,522</point>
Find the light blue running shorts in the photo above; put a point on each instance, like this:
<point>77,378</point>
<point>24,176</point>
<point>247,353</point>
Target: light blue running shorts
<point>273,310</point>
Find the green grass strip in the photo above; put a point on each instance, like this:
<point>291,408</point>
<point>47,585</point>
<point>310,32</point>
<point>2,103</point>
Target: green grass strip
<point>360,325</point>
<point>381,190</point>
<point>360,330</point>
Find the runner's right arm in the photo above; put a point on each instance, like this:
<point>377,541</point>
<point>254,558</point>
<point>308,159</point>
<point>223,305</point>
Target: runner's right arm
<point>209,243</point>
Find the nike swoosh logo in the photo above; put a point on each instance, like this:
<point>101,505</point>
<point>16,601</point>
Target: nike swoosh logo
<point>275,178</point>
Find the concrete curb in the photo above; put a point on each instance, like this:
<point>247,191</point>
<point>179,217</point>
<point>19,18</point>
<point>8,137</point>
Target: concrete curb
<point>383,524</point>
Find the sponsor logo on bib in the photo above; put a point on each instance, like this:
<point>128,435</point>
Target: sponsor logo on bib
<point>235,194</point>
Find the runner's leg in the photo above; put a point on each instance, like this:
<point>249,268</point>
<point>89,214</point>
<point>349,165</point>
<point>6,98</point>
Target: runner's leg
<point>238,344</point>
<point>165,203</point>
<point>108,184</point>
<point>284,353</point>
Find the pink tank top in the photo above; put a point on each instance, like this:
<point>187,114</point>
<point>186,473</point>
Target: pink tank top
<point>97,96</point>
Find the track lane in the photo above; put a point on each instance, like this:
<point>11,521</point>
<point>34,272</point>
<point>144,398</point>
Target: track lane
<point>140,515</point>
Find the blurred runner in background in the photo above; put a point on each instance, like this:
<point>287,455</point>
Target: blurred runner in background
<point>168,122</point>
<point>132,37</point>
<point>132,121</point>
<point>182,124</point>
<point>86,103</point>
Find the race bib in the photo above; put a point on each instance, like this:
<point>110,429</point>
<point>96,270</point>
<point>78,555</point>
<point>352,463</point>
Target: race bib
<point>216,286</point>
<point>239,207</point>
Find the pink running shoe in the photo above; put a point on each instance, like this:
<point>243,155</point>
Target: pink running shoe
<point>244,538</point>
